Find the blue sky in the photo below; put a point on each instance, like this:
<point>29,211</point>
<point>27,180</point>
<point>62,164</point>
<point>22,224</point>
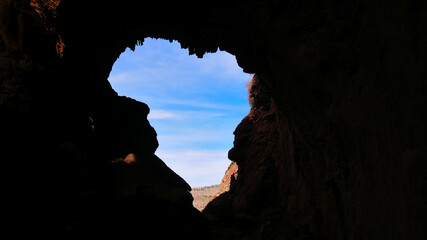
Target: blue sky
<point>195,104</point>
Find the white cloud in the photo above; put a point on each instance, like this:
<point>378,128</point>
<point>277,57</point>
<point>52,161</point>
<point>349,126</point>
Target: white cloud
<point>208,105</point>
<point>161,114</point>
<point>195,104</point>
<point>119,78</point>
<point>182,115</point>
<point>195,137</point>
<point>158,64</point>
<point>197,167</point>
<point>224,65</point>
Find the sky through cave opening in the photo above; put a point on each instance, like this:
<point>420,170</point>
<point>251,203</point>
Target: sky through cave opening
<point>195,104</point>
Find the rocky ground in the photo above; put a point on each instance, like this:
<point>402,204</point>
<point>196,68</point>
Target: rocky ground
<point>203,195</point>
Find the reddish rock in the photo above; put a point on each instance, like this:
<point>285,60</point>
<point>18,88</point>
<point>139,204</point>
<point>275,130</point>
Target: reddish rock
<point>203,195</point>
<point>262,195</point>
<point>230,175</point>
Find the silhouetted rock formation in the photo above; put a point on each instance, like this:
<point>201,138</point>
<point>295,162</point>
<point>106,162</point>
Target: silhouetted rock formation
<point>334,148</point>
<point>270,197</point>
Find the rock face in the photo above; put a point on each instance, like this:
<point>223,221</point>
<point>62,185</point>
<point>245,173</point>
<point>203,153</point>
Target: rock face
<point>269,198</point>
<point>263,144</point>
<point>230,175</point>
<point>203,195</point>
<point>334,148</point>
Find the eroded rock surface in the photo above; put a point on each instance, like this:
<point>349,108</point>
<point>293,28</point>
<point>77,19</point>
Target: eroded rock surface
<point>269,194</point>
<point>230,175</point>
<point>203,195</point>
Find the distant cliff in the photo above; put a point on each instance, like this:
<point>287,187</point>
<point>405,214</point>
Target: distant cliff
<point>230,175</point>
<point>204,195</point>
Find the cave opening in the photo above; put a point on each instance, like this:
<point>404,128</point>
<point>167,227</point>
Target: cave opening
<point>335,149</point>
<point>195,104</point>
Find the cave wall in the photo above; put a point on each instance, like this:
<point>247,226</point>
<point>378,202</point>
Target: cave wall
<point>344,86</point>
<point>78,159</point>
<point>349,124</point>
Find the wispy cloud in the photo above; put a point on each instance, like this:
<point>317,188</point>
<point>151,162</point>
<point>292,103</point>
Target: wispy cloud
<point>157,64</point>
<point>161,114</point>
<point>195,104</point>
<point>207,105</point>
<point>224,65</point>
<point>197,167</point>
<point>119,78</point>
<point>194,137</point>
<point>182,115</point>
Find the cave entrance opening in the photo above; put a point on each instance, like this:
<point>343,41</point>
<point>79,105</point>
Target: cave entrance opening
<point>195,104</point>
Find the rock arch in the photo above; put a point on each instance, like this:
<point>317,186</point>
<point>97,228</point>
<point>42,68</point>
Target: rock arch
<point>344,90</point>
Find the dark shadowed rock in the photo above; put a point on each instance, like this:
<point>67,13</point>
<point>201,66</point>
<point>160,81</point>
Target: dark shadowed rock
<point>334,147</point>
